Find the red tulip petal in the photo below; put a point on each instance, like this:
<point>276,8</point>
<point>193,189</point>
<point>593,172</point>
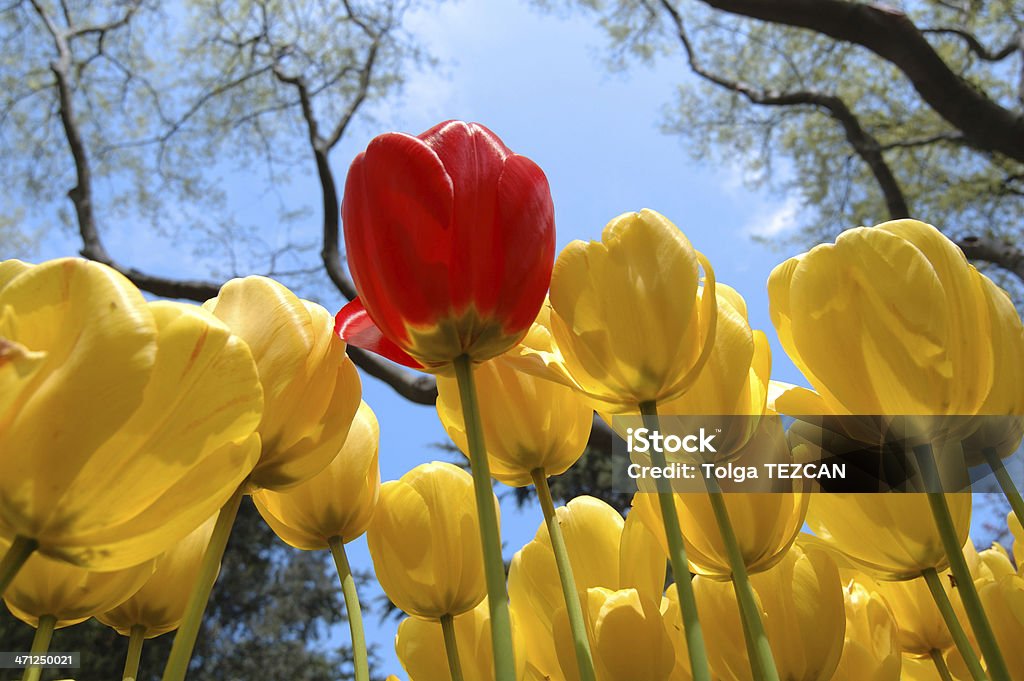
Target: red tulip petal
<point>397,215</point>
<point>526,217</point>
<point>355,327</point>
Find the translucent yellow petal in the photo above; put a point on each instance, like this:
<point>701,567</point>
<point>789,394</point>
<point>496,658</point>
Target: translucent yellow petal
<point>337,501</point>
<point>159,605</point>
<point>99,340</point>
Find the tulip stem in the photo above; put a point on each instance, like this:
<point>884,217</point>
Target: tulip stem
<point>958,566</point>
<point>136,637</point>
<point>931,578</point>
<point>1005,482</point>
<point>40,644</point>
<point>19,551</point>
<point>940,665</point>
<point>352,609</point>
<point>677,557</point>
<point>584,658</point>
<point>490,534</point>
<point>759,650</point>
<point>185,639</point>
<point>451,646</point>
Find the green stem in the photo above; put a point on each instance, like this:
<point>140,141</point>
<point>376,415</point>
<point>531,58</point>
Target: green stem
<point>958,566</point>
<point>18,552</point>
<point>759,650</point>
<point>1006,483</point>
<point>931,578</point>
<point>490,536</point>
<point>451,647</point>
<point>677,557</point>
<point>136,637</point>
<point>40,645</point>
<point>185,639</point>
<point>352,609</point>
<point>940,665</point>
<point>584,658</point>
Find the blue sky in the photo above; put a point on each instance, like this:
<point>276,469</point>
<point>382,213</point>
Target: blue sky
<point>539,82</point>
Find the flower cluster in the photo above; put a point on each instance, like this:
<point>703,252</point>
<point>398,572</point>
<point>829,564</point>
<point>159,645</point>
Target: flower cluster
<point>130,431</point>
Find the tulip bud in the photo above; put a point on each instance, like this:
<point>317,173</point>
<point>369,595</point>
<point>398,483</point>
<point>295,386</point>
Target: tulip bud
<point>904,539</point>
<point>70,594</point>
<point>1001,591</point>
<point>801,603</point>
<point>629,322</point>
<point>734,382</point>
<point>425,542</point>
<point>310,386</point>
<point>450,238</point>
<point>629,637</point>
<point>529,423</point>
<point>421,649</point>
<point>336,502</point>
<point>124,425</point>
<point>921,627</point>
<point>603,550</point>
<point>871,650</point>
<point>765,524</point>
<point>888,320</point>
<point>1001,427</point>
<point>159,606</point>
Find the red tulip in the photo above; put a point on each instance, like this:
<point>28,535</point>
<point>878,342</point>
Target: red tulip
<point>450,239</point>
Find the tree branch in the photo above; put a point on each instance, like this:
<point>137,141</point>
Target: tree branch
<point>891,35</point>
<point>975,46</point>
<point>418,388</point>
<point>864,143</point>
<point>995,251</point>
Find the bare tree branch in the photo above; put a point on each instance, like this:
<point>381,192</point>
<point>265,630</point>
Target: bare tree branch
<point>864,143</point>
<point>891,35</point>
<point>418,388</point>
<point>975,45</point>
<point>997,252</point>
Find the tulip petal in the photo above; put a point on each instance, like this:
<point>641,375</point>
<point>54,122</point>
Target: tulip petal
<point>354,326</point>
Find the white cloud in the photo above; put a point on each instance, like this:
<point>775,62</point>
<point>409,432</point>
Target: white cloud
<point>774,220</point>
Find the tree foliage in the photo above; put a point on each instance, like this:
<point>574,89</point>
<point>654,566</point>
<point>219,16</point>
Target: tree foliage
<point>272,615</point>
<point>837,105</point>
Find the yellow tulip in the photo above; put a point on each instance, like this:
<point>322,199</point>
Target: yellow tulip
<point>923,669</point>
<point>604,551</point>
<point>921,627</point>
<point>10,269</point>
<point>1018,541</point>
<point>1002,597</point>
<point>310,385</point>
<point>124,425</point>
<point>425,542</point>
<point>888,320</point>
<point>421,649</point>
<point>159,606</point>
<point>627,322</point>
<point>733,383</point>
<point>871,651</point>
<point>1004,429</point>
<point>336,502</point>
<point>801,603</point>
<point>765,524</point>
<point>904,539</point>
<point>630,639</point>
<point>529,423</point>
<point>673,618</point>
<point>69,594</point>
